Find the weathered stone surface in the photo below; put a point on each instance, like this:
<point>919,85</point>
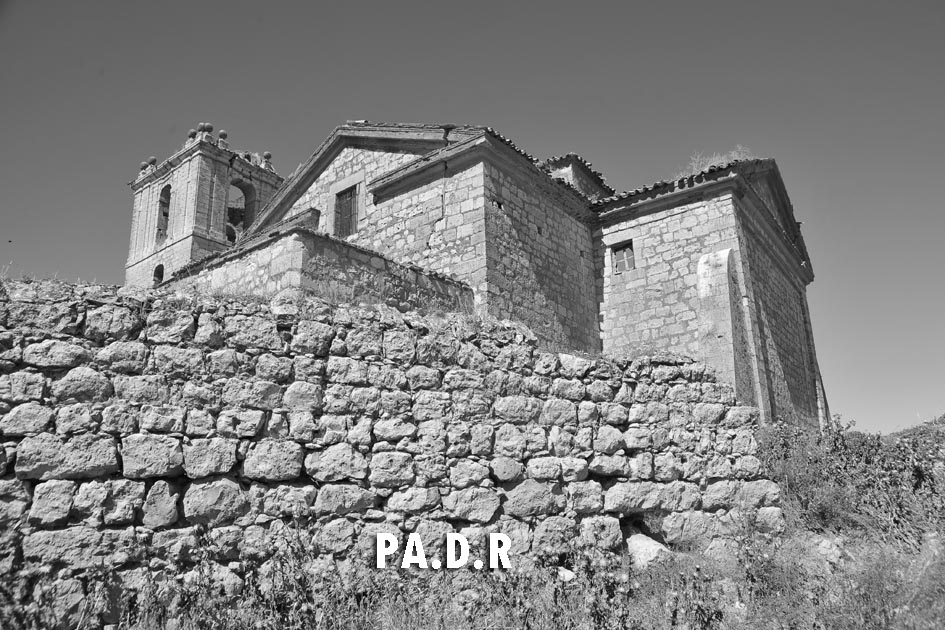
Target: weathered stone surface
<point>272,368</point>
<point>335,536</point>
<point>347,371</point>
<point>144,455</point>
<point>644,551</point>
<point>14,501</point>
<point>531,498</point>
<point>313,337</point>
<point>558,412</point>
<point>274,460</point>
<point>286,500</point>
<point>585,497</point>
<point>148,389</point>
<point>84,456</point>
<point>343,499</point>
<point>391,469</point>
<point>554,535</point>
<point>52,502</point>
<point>214,502</point>
<point>465,473</point>
<point>302,395</point>
<point>79,547</point>
<point>336,463</point>
<point>22,387</point>
<point>632,497</point>
<point>245,423</point>
<point>478,505</point>
<point>83,384</point>
<point>250,331</point>
<point>28,419</point>
<point>394,429</point>
<point>205,457</point>
<point>77,418</point>
<point>601,531</point>
<point>252,394</point>
<point>609,465</point>
<point>54,355</point>
<point>414,500</point>
<point>160,505</point>
<point>169,326</point>
<point>124,499</point>
<point>162,419</point>
<point>111,321</point>
<point>517,409</point>
<point>544,468</point>
<point>506,469</point>
<point>423,377</point>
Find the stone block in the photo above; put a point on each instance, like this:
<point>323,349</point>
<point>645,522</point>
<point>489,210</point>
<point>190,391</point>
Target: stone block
<point>478,505</point>
<point>214,502</point>
<point>336,463</point>
<point>145,455</point>
<point>28,419</point>
<point>205,457</point>
<point>391,469</point>
<point>52,502</point>
<point>47,456</point>
<point>274,460</point>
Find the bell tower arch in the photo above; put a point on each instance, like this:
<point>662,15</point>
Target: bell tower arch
<point>193,204</point>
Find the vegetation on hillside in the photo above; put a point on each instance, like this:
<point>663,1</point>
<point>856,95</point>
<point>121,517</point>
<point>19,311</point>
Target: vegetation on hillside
<point>863,550</point>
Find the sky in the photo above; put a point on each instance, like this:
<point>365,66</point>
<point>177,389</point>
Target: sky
<point>849,99</point>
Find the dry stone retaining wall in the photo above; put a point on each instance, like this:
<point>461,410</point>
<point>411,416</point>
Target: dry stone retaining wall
<point>132,421</point>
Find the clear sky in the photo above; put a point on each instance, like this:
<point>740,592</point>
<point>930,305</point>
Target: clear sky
<point>848,97</point>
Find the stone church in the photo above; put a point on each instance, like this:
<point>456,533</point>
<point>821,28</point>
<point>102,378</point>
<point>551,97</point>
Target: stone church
<point>712,265</point>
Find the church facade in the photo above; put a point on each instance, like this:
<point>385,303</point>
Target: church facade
<point>712,265</point>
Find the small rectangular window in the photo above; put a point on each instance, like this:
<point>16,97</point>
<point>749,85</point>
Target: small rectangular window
<point>346,212</point>
<point>623,258</point>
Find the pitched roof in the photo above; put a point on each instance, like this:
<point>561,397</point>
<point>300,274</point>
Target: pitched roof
<point>421,137</point>
<point>665,187</point>
<point>426,138</point>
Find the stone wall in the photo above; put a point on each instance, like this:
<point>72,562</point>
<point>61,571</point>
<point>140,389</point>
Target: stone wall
<point>132,421</point>
<point>438,226</point>
<point>298,258</point>
<point>656,305</point>
<point>778,302</point>
<point>540,259</point>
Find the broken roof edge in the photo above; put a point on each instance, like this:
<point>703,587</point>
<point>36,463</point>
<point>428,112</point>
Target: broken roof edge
<point>587,167</point>
<point>668,187</point>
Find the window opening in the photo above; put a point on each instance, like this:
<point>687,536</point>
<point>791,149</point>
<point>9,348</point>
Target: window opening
<point>624,258</point>
<point>346,212</point>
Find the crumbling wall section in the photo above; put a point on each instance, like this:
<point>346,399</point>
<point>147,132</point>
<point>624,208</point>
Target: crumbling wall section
<point>298,258</point>
<point>132,421</point>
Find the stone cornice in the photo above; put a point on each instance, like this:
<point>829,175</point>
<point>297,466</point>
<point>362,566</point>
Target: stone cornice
<point>484,147</point>
<point>191,149</point>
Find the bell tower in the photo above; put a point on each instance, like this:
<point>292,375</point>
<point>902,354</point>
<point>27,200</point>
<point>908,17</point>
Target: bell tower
<point>195,203</point>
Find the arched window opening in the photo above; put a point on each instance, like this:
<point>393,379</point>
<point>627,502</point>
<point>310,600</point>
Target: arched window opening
<point>240,208</point>
<point>164,212</point>
<point>158,275</point>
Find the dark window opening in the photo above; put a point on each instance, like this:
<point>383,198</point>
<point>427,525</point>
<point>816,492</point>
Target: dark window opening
<point>164,213</point>
<point>346,212</point>
<point>158,275</point>
<point>624,258</point>
<point>240,209</point>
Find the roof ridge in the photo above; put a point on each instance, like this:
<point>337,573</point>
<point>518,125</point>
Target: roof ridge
<point>686,181</point>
